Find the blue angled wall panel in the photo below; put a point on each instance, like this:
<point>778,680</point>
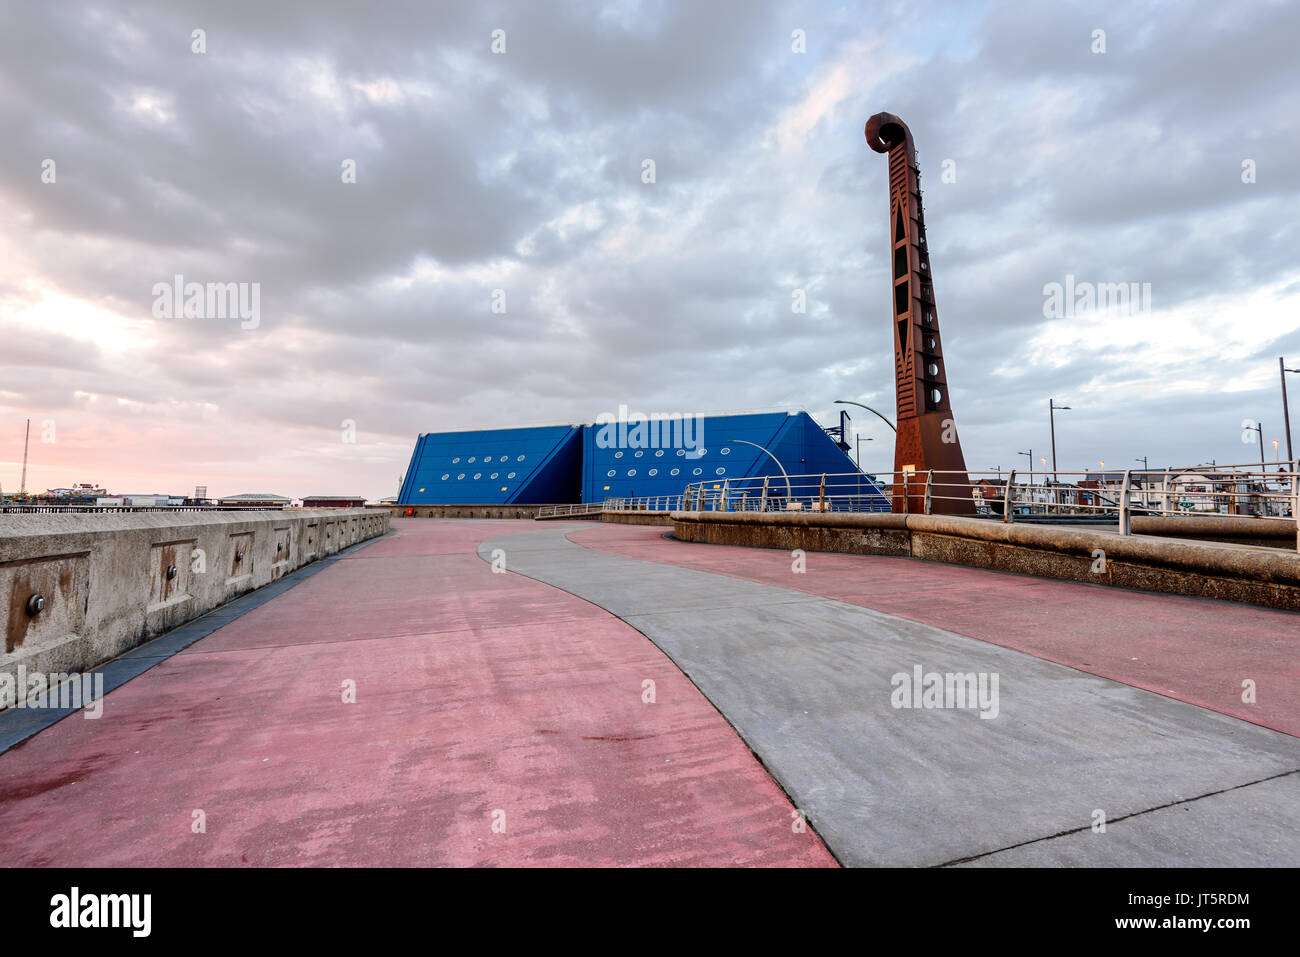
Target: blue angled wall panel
<point>495,467</point>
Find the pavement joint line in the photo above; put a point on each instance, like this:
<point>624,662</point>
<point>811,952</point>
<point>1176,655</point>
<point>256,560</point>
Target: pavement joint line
<point>19,724</point>
<point>1116,820</point>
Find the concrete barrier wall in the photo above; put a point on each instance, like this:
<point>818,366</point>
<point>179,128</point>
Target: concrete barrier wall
<point>637,518</point>
<point>1238,529</point>
<point>1257,576</point>
<point>523,511</point>
<point>463,511</point>
<point>83,588</point>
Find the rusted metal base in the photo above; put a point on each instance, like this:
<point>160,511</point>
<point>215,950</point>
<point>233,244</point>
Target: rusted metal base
<point>920,446</point>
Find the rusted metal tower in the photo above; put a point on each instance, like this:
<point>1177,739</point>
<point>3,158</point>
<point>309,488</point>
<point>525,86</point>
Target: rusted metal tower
<point>22,483</point>
<point>927,431</point>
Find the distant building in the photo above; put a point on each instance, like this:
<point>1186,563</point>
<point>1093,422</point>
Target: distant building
<point>83,493</point>
<point>151,500</point>
<point>333,501</point>
<point>255,500</point>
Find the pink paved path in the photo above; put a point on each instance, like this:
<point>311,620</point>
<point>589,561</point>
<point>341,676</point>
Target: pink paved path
<point>476,692</point>
<point>1185,648</point>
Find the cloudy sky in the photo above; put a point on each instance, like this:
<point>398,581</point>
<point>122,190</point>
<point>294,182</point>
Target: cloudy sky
<point>135,150</point>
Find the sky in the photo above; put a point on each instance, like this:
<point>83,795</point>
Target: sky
<point>441,217</point>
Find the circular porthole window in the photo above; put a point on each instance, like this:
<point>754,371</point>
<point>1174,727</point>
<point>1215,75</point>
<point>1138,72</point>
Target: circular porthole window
<point>470,460</point>
<point>681,451</point>
<point>653,472</point>
<point>696,471</point>
<point>659,454</point>
<point>445,476</point>
<point>456,460</point>
<point>674,471</point>
<point>510,475</point>
<point>519,459</point>
<point>726,451</point>
<point>639,454</point>
<point>504,457</point>
<point>631,472</point>
<point>609,474</point>
<point>618,455</point>
<point>721,471</point>
<point>460,476</point>
<point>478,475</point>
<point>493,475</point>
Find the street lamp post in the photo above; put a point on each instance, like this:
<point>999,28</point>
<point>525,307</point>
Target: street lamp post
<point>869,409</point>
<point>1286,412</point>
<point>1052,409</point>
<point>788,493</point>
<point>859,437</point>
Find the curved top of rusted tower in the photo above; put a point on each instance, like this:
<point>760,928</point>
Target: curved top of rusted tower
<point>885,131</point>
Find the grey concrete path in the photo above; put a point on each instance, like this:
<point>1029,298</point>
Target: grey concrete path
<point>806,681</point>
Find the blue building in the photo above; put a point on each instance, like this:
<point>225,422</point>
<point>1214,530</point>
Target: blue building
<point>496,467</point>
<point>622,459</point>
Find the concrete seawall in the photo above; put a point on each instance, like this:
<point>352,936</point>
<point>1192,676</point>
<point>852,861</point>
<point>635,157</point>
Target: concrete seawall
<point>637,518</point>
<point>463,511</point>
<point>1254,575</point>
<point>81,589</point>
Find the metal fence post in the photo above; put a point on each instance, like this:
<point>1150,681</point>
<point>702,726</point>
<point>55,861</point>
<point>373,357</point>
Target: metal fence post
<point>1007,507</point>
<point>821,495</point>
<point>1295,504</point>
<point>929,481</point>
<point>762,502</point>
<point>726,499</point>
<point>1125,520</point>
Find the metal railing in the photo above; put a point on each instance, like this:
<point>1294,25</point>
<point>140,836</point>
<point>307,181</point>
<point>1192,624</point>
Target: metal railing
<point>1059,497</point>
<point>843,492</point>
<point>582,508</point>
<point>645,503</point>
<point>35,507</point>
